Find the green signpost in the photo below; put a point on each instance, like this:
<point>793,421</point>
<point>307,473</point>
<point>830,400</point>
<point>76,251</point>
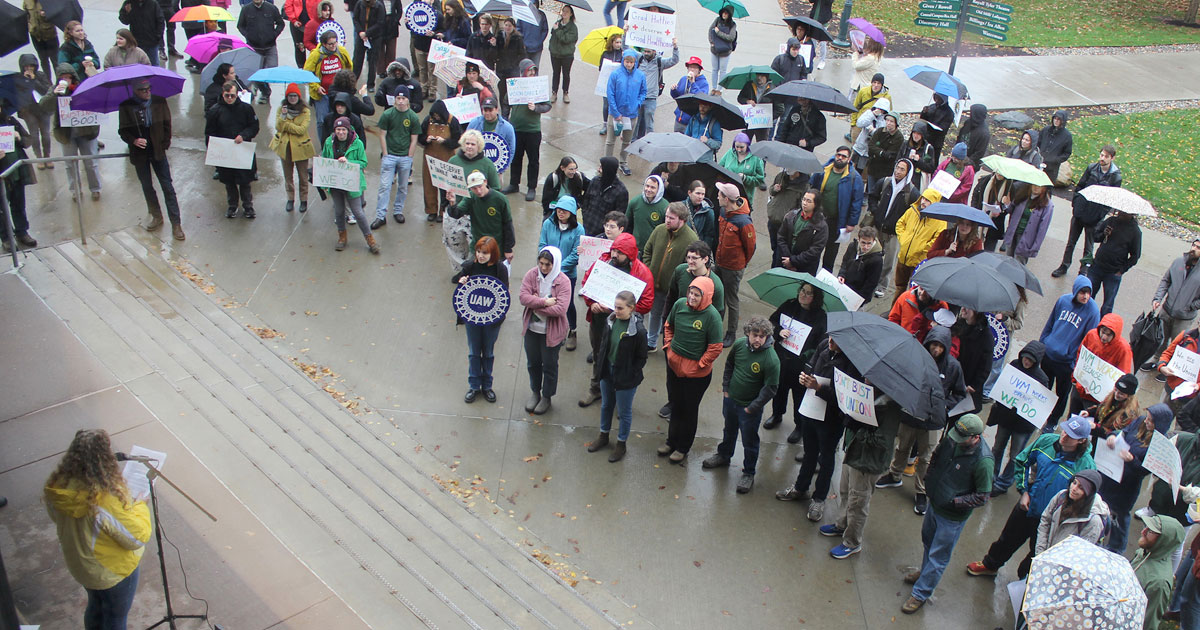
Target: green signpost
<point>983,17</point>
<point>941,5</point>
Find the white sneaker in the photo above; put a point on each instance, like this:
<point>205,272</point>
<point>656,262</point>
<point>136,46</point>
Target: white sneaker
<point>1144,513</point>
<point>821,66</point>
<point>350,219</point>
<point>880,293</point>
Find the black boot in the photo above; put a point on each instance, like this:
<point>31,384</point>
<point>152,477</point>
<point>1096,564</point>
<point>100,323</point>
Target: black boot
<point>1061,271</point>
<point>599,442</point>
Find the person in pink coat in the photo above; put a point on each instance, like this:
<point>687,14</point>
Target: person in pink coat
<point>545,294</point>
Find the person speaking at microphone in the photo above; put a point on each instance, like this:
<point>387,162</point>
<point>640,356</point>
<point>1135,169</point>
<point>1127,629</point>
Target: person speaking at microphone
<point>102,530</point>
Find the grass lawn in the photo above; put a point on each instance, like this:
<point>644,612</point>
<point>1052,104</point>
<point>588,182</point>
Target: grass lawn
<point>1055,23</point>
<point>1157,155</point>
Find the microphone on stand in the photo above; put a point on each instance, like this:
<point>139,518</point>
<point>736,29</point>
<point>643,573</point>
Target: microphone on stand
<point>122,457</point>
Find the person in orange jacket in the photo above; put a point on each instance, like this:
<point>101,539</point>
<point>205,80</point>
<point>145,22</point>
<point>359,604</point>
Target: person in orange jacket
<point>735,248</point>
<point>692,339</point>
<point>1107,343</point>
<point>1189,340</point>
<point>624,256</point>
<point>914,310</point>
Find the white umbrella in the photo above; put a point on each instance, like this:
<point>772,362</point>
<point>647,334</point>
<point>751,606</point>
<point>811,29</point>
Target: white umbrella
<point>1118,199</point>
<point>1076,584</point>
<point>453,69</point>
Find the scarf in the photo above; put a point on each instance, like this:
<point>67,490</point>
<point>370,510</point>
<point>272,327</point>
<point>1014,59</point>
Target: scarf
<point>546,282</point>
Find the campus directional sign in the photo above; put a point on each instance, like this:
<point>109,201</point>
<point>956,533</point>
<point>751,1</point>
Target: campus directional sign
<point>936,23</point>
<point>997,27</point>
<point>985,32</point>
<point>941,5</point>
<point>938,15</point>
<point>992,6</point>
<point>987,14</point>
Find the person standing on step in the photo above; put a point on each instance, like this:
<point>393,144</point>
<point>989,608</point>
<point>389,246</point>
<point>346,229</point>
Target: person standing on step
<point>624,256</point>
<point>481,338</point>
<point>563,38</point>
<point>234,119</point>
<point>692,338</point>
<point>293,145</point>
<point>1178,295</point>
<point>1055,144</point>
<point>144,123</point>
<point>1119,242</point>
<point>626,91</point>
<point>490,216</point>
<point>748,383</point>
<point>622,355</point>
<point>545,294</point>
<point>735,248</point>
<point>662,252</point>
<point>841,190</point>
<point>1085,215</point>
<point>260,23</point>
<point>807,308</point>
<point>562,230</point>
<point>1072,316</point>
<point>527,127</point>
<point>14,184</point>
<point>345,146</point>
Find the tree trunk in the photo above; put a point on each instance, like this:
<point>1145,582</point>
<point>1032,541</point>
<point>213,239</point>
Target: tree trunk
<point>1193,7</point>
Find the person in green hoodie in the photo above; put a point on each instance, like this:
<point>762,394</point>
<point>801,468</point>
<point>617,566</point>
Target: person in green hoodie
<point>751,167</point>
<point>489,213</point>
<point>526,121</point>
<point>662,253</point>
<point>692,337</point>
<point>647,211</point>
<point>748,383</point>
<point>1152,565</point>
<point>344,146</point>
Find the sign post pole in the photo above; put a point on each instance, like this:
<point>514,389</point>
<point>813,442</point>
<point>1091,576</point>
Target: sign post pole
<point>962,20</point>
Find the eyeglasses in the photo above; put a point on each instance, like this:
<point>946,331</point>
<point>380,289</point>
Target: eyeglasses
<point>142,89</point>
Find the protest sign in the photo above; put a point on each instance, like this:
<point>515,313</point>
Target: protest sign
<point>757,116</point>
<point>330,173</point>
<point>8,139</point>
<point>1108,459</point>
<point>420,18</point>
<point>1025,396</point>
<point>606,68</point>
<point>944,183</point>
<point>590,249</point>
<point>1162,460</point>
<point>647,29</point>
<point>522,12</point>
<point>606,281</point>
<point>1095,375</point>
<point>797,335</point>
<point>439,50</point>
<point>226,153</point>
<point>855,398</point>
<point>481,300</point>
<point>68,117</point>
<point>812,405</point>
<point>1185,364</point>
<point>851,299</point>
<point>525,90</point>
<point>464,108</point>
<point>446,176</point>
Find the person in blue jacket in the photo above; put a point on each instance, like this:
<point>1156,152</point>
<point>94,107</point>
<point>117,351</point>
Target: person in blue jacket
<point>1073,315</point>
<point>562,230</point>
<point>491,120</point>
<point>843,205</point>
<point>705,128</point>
<point>693,82</point>
<point>626,91</point>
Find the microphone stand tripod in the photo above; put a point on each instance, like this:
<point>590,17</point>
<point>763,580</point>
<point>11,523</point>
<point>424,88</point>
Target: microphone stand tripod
<point>152,473</point>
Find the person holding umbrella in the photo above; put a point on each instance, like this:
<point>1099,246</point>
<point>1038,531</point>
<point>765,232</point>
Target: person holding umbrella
<point>751,94</point>
<point>626,91</point>
<point>1086,214</point>
<point>78,51</point>
<point>1029,224</point>
<point>841,190</point>
<point>865,61</point>
<point>692,338</point>
<point>293,145</point>
<point>563,37</point>
<point>808,308</point>
<point>692,82</point>
<point>722,41</point>
<point>959,241</point>
<point>739,160</point>
<point>803,126</point>
<point>145,125</point>
<point>233,118</point>
<point>145,19</point>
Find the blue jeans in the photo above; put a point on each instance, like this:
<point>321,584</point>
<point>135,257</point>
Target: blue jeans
<point>152,53</point>
<point>321,108</point>
<point>1187,592</point>
<point>609,5</point>
<point>645,122</point>
<point>1016,443</point>
<point>736,419</point>
<point>481,340</point>
<point>938,536</point>
<point>655,326</point>
<point>109,608</point>
<point>1118,533</point>
<point>392,168</point>
<point>720,66</point>
<point>622,401</point>
<point>1110,282</point>
<point>997,367</point>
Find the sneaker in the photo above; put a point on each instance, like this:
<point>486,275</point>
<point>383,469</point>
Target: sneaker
<point>716,460</point>
<point>790,493</point>
<point>1059,272</point>
<point>841,552</point>
<point>351,220</point>
<point>625,170</point>
<point>1160,377</point>
<point>979,569</point>
<point>590,397</point>
<point>665,411</point>
<point>910,469</point>
<point>889,481</point>
<point>912,605</point>
<point>677,457</point>
<point>912,576</point>
<point>664,450</point>
<point>745,483</point>
<point>1149,366</point>
<point>920,504</point>
<point>248,212</point>
<point>816,511</point>
<point>833,531</point>
<point>231,212</point>
<point>603,130</point>
<point>378,223</point>
<point>821,66</point>
<point>879,293</point>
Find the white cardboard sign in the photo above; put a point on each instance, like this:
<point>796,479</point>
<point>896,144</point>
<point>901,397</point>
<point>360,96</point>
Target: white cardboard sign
<point>855,398</point>
<point>330,173</point>
<point>606,69</point>
<point>526,90</point>
<point>226,153</point>
<point>606,281</point>
<point>648,29</point>
<point>1162,460</point>
<point>757,116</point>
<point>8,139</point>
<point>1096,375</point>
<point>68,117</point>
<point>1108,460</point>
<point>464,108</point>
<point>944,183</point>
<point>439,50</point>
<point>1185,364</point>
<point>812,405</point>
<point>1028,398</point>
<point>798,334</point>
<point>446,176</point>
<point>590,249</point>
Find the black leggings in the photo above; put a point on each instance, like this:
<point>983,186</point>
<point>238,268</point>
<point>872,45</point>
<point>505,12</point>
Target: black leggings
<point>529,143</point>
<point>560,65</point>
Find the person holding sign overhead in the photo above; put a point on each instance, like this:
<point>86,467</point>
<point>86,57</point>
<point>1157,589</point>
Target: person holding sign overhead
<point>234,119</point>
<point>144,123</point>
<point>346,147</point>
<point>692,337</point>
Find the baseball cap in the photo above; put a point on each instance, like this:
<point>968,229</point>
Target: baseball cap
<point>1077,427</point>
<point>1153,523</point>
<point>488,103</point>
<point>967,426</point>
<point>730,190</point>
<point>475,179</point>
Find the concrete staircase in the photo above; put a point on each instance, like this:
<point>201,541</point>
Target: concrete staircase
<point>366,515</point>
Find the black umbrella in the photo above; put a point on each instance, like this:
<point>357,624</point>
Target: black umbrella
<point>816,30</point>
<point>668,147</point>
<point>710,173</point>
<point>651,6</point>
<point>1010,268</point>
<point>726,114</point>
<point>16,34</point>
<point>892,360</point>
<point>965,282</point>
<point>788,157</point>
<point>59,12</point>
<point>582,4</point>
<point>823,97</point>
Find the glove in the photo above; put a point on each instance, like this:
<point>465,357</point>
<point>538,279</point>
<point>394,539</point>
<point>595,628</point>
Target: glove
<point>1189,494</point>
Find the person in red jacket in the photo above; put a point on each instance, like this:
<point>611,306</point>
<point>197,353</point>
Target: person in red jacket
<point>1189,340</point>
<point>914,310</point>
<point>1107,343</point>
<point>299,13</point>
<point>735,248</point>
<point>623,256</point>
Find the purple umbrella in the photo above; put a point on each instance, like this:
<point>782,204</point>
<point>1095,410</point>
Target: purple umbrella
<point>105,91</point>
<point>869,29</point>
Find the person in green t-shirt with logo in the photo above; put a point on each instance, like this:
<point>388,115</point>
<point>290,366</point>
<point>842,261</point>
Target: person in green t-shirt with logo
<point>397,128</point>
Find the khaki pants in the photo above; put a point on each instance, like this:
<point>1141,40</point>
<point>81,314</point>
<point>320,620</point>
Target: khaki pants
<point>854,489</point>
<point>301,168</point>
<point>626,137</point>
<point>925,441</point>
<point>428,81</point>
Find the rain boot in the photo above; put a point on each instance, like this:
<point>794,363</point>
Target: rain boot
<point>341,242</point>
<point>618,452</point>
<point>371,244</point>
<point>598,443</point>
<point>572,342</point>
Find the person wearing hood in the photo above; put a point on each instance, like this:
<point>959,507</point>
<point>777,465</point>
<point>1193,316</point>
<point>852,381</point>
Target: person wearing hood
<point>841,191</point>
<point>662,252</point>
<point>803,126</point>
<point>704,127</point>
<point>1026,149</point>
<point>959,166</point>
<point>565,181</point>
<point>481,338</point>
<point>862,266</point>
<point>975,344</point>
<point>32,88</point>
<point>368,18</point>
<point>974,132</point>
<point>920,152</point>
<point>866,99</point>
<point>397,130</point>
<point>692,82</point>
<point>323,14</point>
<point>605,193</point>
<point>887,201</point>
<point>1012,430</point>
<point>913,311</point>
<point>959,480</point>
<point>293,145</point>
<point>1044,469</point>
<point>624,256</point>
<point>125,51</point>
<point>1178,295</point>
<point>78,51</point>
<point>527,126</point>
<point>1055,144</point>
<point>75,140</point>
<point>563,231</point>
<point>490,215</point>
<point>752,93</point>
<point>102,528</point>
<point>622,356</point>
<point>439,136</point>
<point>234,119</point>
<point>992,192</point>
<point>1074,511</point>
<point>915,234</point>
<point>144,123</point>
<point>471,158</point>
<point>939,117</point>
<point>261,23</point>
<point>883,149</point>
<point>1159,539</point>
<point>399,72</point>
<point>868,122</point>
<point>1136,430</point>
<point>1107,343</point>
<point>692,337</point>
<point>344,146</point>
<point>807,308</point>
<point>785,195</point>
<point>1029,223</point>
<point>563,37</point>
<point>748,383</point>
<point>751,167</point>
<point>735,248</point>
<point>325,61</point>
<point>1073,315</point>
<point>545,294</point>
<point>646,211</point>
<point>626,91</point>
<point>15,183</point>
<point>1120,246</point>
<point>791,66</point>
<point>803,234</point>
<point>722,40</point>
<point>226,73</point>
<point>1085,215</point>
<point>145,19</point>
<point>652,65</point>
<point>924,434</point>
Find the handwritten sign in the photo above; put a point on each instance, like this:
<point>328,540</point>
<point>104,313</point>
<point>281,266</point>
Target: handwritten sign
<point>1108,459</point>
<point>797,334</point>
<point>8,139</point>
<point>812,405</point>
<point>648,29</point>
<point>464,108</point>
<point>446,176</point>
<point>944,183</point>
<point>1095,375</point>
<point>590,249</point>
<point>330,173</point>
<point>855,398</point>
<point>1027,398</point>
<point>226,153</point>
<point>439,50</point>
<point>757,116</point>
<point>523,13</point>
<point>851,299</point>
<point>1185,364</point>
<point>606,281</point>
<point>525,90</point>
<point>606,69</point>
<point>1162,460</point>
<point>68,117</point>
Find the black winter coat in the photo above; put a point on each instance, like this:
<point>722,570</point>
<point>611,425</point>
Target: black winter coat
<point>1007,418</point>
<point>576,186</point>
<point>815,317</point>
<point>1056,144</point>
<point>976,135</point>
<point>1087,212</point>
<point>260,26</point>
<point>975,345</point>
<point>887,216</point>
<point>229,121</point>
<point>883,149</point>
<point>1119,245</point>
<point>803,249</point>
<point>369,19</point>
<point>941,116</point>
<point>796,126</point>
<point>145,20</point>
<point>861,273</point>
<point>632,349</point>
<point>479,47</point>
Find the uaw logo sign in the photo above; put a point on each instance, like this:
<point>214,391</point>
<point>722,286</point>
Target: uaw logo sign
<point>481,300</point>
<point>421,18</point>
<point>999,335</point>
<point>331,25</point>
<point>497,150</point>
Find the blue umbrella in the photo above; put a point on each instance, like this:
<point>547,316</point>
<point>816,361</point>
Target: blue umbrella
<point>104,92</point>
<point>939,81</point>
<point>284,74</point>
<point>955,211</point>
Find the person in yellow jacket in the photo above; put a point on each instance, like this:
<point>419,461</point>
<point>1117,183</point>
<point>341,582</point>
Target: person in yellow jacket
<point>101,528</point>
<point>325,61</point>
<point>915,234</point>
<point>293,145</point>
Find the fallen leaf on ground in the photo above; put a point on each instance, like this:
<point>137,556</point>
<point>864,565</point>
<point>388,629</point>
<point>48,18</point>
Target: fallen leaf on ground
<point>532,458</point>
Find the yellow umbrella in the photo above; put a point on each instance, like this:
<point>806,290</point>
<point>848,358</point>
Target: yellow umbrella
<point>592,47</point>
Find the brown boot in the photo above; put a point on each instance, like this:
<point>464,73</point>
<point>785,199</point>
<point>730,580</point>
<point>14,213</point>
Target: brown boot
<point>618,453</point>
<point>598,443</point>
<point>155,222</point>
<point>177,232</point>
<point>341,242</point>
<point>371,244</point>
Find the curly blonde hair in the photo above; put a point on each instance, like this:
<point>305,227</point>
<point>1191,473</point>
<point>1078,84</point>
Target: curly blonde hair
<point>90,461</point>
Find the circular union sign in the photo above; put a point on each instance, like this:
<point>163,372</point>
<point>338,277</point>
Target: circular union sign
<point>481,300</point>
<point>421,18</point>
<point>497,150</point>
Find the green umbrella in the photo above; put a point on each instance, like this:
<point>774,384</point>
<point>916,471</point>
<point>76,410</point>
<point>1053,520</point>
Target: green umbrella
<point>1011,168</point>
<point>776,286</point>
<point>739,9</point>
<point>741,75</point>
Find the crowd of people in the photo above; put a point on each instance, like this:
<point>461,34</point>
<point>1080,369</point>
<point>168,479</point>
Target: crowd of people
<point>689,240</point>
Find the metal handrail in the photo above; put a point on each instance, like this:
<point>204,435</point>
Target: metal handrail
<point>78,196</point>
